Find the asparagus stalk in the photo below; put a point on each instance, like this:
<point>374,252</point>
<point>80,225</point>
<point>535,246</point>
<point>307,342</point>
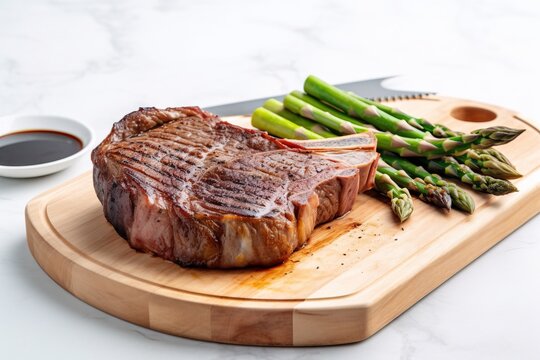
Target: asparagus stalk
<point>439,130</point>
<point>385,141</point>
<point>428,192</point>
<point>304,109</point>
<point>486,161</point>
<point>481,138</point>
<point>400,198</point>
<point>329,109</point>
<point>277,107</point>
<point>488,165</point>
<point>359,109</point>
<point>494,163</point>
<point>460,198</point>
<point>449,166</point>
<point>436,130</point>
<point>276,125</point>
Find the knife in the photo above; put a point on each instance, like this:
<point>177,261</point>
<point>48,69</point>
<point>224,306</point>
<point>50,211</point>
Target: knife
<point>372,89</point>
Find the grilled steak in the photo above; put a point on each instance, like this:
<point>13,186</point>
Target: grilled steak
<point>188,187</point>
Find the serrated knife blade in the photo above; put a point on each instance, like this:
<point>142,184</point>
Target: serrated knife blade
<point>372,89</point>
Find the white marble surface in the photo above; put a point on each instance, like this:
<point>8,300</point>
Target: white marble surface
<point>97,60</point>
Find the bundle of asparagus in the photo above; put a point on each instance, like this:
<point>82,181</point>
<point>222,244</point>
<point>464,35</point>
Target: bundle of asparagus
<point>408,145</point>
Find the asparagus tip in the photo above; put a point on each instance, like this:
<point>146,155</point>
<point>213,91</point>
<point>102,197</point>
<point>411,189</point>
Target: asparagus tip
<point>496,135</point>
<point>461,199</point>
<point>495,154</point>
<point>499,186</point>
<point>438,196</point>
<point>500,170</point>
<point>402,207</point>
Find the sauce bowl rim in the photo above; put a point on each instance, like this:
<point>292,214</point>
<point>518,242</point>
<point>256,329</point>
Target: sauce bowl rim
<point>86,139</point>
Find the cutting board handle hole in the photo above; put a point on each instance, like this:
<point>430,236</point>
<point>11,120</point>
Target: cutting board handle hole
<point>473,113</point>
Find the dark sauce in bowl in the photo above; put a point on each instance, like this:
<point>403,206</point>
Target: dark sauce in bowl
<point>32,147</point>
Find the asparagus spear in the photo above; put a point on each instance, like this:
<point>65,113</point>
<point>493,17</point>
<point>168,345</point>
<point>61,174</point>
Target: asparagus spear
<point>481,138</point>
<point>428,192</point>
<point>449,166</point>
<point>358,109</point>
<point>277,107</point>
<point>487,161</point>
<point>440,131</point>
<point>488,165</point>
<point>495,135</point>
<point>276,125</point>
<point>304,109</point>
<point>498,166</point>
<point>329,109</point>
<point>460,198</point>
<point>400,198</point>
<point>401,145</point>
<point>496,154</point>
<point>436,130</point>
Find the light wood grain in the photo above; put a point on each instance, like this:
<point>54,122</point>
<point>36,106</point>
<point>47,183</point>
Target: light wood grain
<point>356,274</point>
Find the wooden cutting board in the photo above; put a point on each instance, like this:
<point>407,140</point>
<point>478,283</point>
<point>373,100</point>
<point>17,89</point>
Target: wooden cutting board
<point>356,274</point>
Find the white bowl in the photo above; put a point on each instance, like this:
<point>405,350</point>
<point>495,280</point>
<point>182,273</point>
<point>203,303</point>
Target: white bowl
<point>11,124</point>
